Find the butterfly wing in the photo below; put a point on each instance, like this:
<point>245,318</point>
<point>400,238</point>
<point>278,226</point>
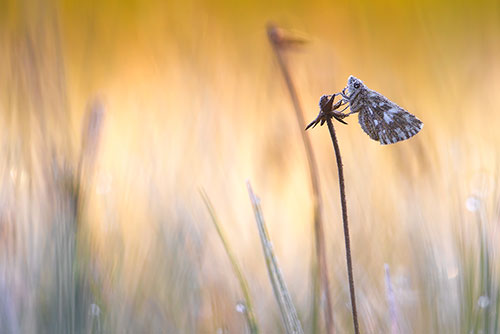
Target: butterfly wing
<point>385,121</point>
<point>369,123</point>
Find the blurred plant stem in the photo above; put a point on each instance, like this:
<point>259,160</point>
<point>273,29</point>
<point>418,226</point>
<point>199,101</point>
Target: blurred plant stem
<point>287,309</point>
<point>85,294</point>
<point>280,42</point>
<point>391,300</point>
<point>91,133</point>
<point>249,313</point>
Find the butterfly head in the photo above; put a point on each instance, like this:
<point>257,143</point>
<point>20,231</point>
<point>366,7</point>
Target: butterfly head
<point>354,84</point>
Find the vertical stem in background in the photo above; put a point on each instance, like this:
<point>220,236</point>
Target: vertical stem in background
<point>278,42</point>
<point>82,256</point>
<point>346,224</point>
<point>91,135</point>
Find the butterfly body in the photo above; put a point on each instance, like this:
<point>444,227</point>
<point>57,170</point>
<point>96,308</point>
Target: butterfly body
<point>382,119</point>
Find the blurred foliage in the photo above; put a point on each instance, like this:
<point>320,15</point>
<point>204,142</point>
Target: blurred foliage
<point>193,98</point>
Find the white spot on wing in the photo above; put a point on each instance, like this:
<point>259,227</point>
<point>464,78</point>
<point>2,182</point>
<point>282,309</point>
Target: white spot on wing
<point>375,122</point>
<point>400,133</point>
<point>388,118</point>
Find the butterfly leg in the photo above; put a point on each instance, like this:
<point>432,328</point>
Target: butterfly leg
<point>344,103</point>
<point>345,97</point>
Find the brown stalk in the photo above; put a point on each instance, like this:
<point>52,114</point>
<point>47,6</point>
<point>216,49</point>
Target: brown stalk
<point>280,42</point>
<point>327,112</point>
<point>345,221</point>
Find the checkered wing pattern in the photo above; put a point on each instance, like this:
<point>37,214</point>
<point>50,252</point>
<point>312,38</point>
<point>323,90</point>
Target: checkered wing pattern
<point>386,122</point>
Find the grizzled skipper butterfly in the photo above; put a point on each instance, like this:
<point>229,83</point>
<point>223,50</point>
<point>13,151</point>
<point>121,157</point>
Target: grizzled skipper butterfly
<point>381,119</point>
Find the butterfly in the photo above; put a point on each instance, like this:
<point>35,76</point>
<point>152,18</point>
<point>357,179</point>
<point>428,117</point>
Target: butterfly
<point>381,119</point>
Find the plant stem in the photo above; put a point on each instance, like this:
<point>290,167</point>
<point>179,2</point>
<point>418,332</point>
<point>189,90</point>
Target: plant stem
<point>277,42</point>
<point>249,312</point>
<point>346,224</point>
<point>283,297</point>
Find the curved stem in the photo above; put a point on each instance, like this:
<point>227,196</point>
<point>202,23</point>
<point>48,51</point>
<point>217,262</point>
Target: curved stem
<point>346,224</point>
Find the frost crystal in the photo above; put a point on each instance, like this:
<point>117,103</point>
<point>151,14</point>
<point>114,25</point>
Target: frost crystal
<point>240,308</point>
<point>95,311</point>
<point>472,203</point>
<point>483,301</point>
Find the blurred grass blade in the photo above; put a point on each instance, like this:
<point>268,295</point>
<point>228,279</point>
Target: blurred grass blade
<point>288,312</point>
<point>391,299</point>
<point>91,137</point>
<point>250,316</point>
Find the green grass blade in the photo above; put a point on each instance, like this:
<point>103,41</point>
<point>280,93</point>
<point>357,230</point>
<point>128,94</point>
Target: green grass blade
<point>249,313</point>
<point>288,312</point>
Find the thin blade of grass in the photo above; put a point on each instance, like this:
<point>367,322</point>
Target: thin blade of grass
<point>288,312</point>
<point>391,299</point>
<point>249,313</point>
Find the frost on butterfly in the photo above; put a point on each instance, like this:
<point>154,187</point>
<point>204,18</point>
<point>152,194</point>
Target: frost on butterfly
<point>381,119</point>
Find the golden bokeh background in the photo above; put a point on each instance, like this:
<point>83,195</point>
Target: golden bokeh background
<point>104,230</point>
